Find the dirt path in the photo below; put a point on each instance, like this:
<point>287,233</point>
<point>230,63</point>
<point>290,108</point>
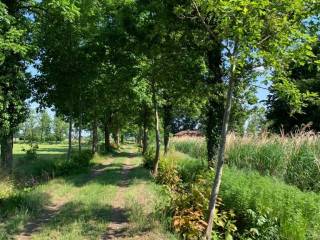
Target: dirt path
<point>119,225</point>
<point>115,200</point>
<point>50,211</point>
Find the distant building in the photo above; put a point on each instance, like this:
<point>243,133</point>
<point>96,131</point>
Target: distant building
<point>189,133</point>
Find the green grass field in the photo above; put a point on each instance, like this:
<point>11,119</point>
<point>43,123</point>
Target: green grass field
<point>84,205</point>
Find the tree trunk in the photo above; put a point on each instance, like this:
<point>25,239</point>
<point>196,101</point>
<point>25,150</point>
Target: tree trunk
<point>80,133</point>
<point>79,137</point>
<point>117,137</point>
<point>80,116</point>
<point>41,136</point>
<point>157,131</point>
<point>145,140</point>
<point>107,144</point>
<point>167,126</point>
<point>7,152</point>
<point>220,163</point>
<point>70,139</point>
<point>145,130</point>
<point>215,108</point>
<point>94,136</point>
<point>122,139</point>
<point>140,136</point>
<point>213,128</point>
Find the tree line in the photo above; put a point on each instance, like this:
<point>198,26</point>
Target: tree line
<point>143,64</point>
<point>42,128</point>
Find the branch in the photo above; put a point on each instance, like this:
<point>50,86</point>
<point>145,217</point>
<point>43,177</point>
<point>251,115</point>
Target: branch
<point>203,20</point>
<point>265,39</point>
<point>260,87</point>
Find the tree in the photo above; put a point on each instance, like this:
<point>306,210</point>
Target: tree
<point>254,34</point>
<point>59,129</point>
<point>305,78</point>
<point>60,61</point>
<point>45,126</point>
<point>16,51</point>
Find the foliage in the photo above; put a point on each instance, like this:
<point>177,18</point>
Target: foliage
<point>303,169</point>
<point>82,159</point>
<point>31,153</point>
<point>6,187</point>
<point>148,157</point>
<point>194,147</point>
<point>293,159</point>
<point>15,52</point>
<point>189,197</point>
<point>305,79</point>
<point>296,213</point>
<point>263,207</point>
<point>263,227</point>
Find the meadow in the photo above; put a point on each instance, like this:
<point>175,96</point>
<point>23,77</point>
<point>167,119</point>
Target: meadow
<point>269,188</point>
<point>294,160</point>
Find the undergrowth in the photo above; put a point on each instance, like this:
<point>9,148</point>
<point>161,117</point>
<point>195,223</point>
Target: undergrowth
<point>295,159</point>
<point>250,206</point>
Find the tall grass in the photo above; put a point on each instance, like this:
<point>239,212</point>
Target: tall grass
<point>294,159</point>
<point>263,206</point>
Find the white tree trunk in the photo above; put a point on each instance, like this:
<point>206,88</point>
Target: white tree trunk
<point>220,163</point>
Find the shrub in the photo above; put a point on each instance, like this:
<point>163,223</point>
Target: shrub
<point>168,174</point>
<point>189,197</point>
<point>260,207</point>
<point>6,187</point>
<point>148,157</point>
<point>262,227</point>
<point>31,153</point>
<point>82,159</point>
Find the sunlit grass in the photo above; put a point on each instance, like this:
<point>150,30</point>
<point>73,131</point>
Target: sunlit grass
<point>293,159</point>
<point>86,201</point>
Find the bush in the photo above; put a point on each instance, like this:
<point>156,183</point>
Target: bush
<point>6,187</point>
<point>82,159</point>
<point>189,197</point>
<point>148,157</point>
<point>31,153</point>
<point>168,174</point>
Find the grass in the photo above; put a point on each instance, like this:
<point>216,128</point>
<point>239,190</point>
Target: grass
<point>48,161</point>
<point>295,159</point>
<point>86,201</point>
<point>281,211</point>
<point>297,213</point>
